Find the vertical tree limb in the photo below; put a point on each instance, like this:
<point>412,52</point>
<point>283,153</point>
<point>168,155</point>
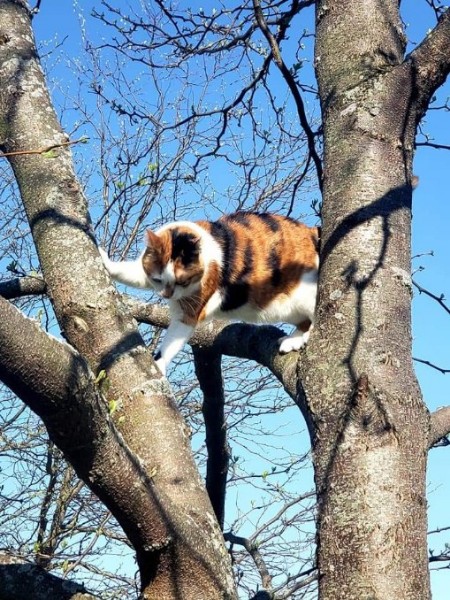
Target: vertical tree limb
<point>209,373</point>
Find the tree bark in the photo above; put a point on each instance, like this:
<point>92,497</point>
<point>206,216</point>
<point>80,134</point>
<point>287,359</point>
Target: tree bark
<point>370,432</point>
<point>184,555</point>
<point>20,580</point>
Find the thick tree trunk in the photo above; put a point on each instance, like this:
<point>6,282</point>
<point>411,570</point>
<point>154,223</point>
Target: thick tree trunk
<point>180,548</point>
<point>371,426</point>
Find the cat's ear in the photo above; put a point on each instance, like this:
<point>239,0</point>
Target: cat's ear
<point>152,241</point>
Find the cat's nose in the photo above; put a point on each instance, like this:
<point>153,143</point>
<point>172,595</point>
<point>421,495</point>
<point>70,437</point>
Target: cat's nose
<point>167,292</point>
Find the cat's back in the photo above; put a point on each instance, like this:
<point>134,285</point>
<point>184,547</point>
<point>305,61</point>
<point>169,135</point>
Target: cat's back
<point>264,241</point>
<point>264,257</point>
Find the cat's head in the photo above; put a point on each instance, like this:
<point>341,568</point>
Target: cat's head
<point>172,261</point>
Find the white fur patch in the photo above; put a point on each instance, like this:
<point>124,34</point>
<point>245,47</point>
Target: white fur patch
<point>295,341</point>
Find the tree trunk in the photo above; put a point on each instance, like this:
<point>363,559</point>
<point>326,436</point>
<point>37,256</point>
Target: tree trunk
<point>370,423</point>
<point>180,548</point>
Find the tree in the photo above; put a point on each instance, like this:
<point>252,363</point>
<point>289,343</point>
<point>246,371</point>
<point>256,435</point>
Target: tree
<point>354,383</point>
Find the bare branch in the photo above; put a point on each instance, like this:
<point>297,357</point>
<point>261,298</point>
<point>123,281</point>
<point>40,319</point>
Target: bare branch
<point>439,299</point>
<point>439,425</point>
<point>292,86</point>
<point>22,580</point>
<point>56,383</point>
<point>431,61</point>
<point>432,365</point>
<point>45,150</point>
<point>22,286</point>
<point>252,549</point>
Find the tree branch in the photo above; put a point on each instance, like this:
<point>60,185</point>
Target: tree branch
<point>57,384</point>
<point>439,299</point>
<point>431,61</point>
<point>293,87</point>
<point>179,534</point>
<point>22,286</point>
<point>241,340</point>
<point>21,580</point>
<point>252,549</point>
<point>439,425</point>
<point>208,369</point>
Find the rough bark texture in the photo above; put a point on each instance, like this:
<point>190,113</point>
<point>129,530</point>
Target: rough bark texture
<point>184,554</point>
<point>370,423</point>
<point>21,581</point>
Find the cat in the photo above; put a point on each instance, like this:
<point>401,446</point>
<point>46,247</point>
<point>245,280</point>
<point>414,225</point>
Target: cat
<point>253,267</point>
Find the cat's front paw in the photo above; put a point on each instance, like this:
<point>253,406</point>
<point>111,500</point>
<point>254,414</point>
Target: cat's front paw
<point>160,363</point>
<point>105,258</point>
<point>289,343</point>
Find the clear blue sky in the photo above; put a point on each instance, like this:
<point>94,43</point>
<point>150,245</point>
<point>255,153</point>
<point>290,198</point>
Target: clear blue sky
<point>430,233</point>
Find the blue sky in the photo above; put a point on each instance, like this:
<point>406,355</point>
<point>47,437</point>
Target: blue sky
<point>431,219</point>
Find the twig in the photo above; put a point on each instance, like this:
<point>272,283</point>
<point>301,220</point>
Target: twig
<point>439,299</point>
<point>82,140</point>
<point>432,365</point>
<point>310,136</point>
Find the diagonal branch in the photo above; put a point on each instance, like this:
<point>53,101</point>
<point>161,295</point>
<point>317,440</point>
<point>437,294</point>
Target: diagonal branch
<point>431,61</point>
<point>57,384</point>
<point>439,299</point>
<point>179,534</point>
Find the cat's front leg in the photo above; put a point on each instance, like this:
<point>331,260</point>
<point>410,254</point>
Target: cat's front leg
<point>129,272</point>
<point>176,337</point>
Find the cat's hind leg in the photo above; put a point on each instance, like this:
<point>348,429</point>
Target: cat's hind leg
<point>297,339</point>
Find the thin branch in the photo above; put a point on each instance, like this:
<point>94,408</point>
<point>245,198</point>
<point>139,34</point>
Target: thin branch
<point>438,530</point>
<point>45,149</point>
<point>253,550</point>
<point>293,87</point>
<point>432,365</point>
<point>439,299</point>
<point>433,145</point>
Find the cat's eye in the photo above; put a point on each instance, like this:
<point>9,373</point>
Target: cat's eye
<point>184,283</point>
<point>156,279</point>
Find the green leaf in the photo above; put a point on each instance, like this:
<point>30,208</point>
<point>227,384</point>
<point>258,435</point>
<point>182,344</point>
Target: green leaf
<point>101,376</point>
<point>49,154</point>
<point>112,406</point>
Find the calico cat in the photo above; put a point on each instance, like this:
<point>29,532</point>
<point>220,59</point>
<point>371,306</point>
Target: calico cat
<point>253,267</point>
